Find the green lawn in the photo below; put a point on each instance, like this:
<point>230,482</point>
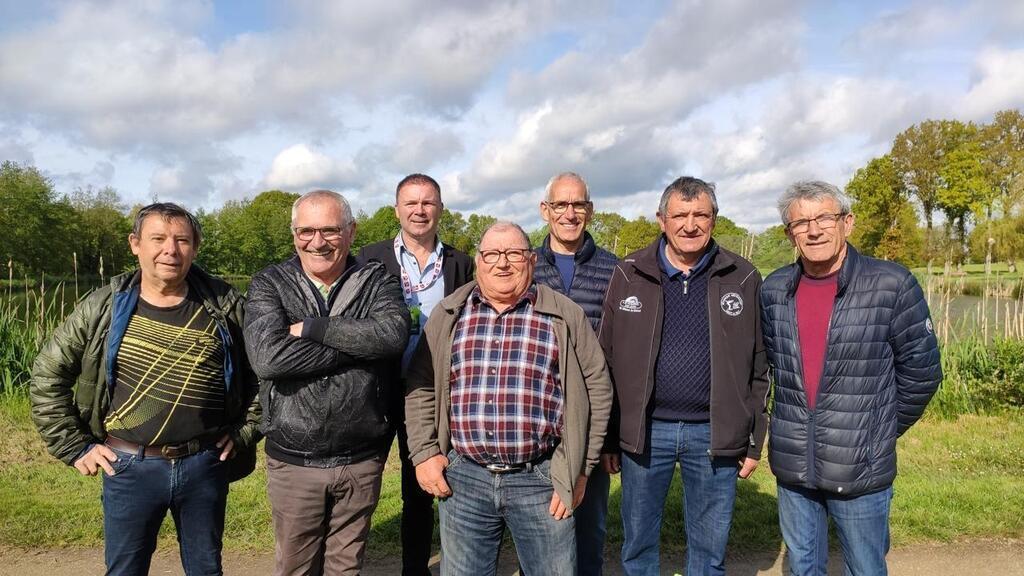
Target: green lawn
<point>958,479</point>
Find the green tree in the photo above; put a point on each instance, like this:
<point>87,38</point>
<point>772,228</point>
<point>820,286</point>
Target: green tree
<point>101,228</point>
<point>605,228</point>
<point>1002,143</point>
<point>729,235</point>
<point>635,234</point>
<point>886,225</point>
<point>452,229</point>
<point>918,154</point>
<point>245,237</point>
<point>962,190</point>
<point>476,224</point>
<point>382,225</point>
<point>538,235</point>
<point>35,223</point>
<point>772,249</point>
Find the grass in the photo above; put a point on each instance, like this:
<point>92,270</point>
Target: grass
<point>958,479</point>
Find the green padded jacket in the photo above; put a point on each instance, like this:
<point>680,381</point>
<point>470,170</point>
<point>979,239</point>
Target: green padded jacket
<point>73,375</point>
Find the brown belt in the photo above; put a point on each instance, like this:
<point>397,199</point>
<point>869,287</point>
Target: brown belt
<point>169,451</point>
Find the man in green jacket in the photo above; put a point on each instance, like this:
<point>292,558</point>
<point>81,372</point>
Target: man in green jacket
<point>507,402</point>
<point>148,381</point>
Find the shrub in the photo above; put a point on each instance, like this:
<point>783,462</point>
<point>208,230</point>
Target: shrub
<point>981,378</point>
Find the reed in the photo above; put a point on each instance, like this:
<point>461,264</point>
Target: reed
<point>982,345</point>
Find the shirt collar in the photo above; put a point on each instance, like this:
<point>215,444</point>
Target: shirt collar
<point>438,248</point>
<point>673,272</point>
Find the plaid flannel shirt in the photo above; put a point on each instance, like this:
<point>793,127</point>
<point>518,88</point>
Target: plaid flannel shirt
<point>506,395</point>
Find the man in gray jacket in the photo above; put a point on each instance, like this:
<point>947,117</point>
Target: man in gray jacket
<point>507,403</point>
<point>320,331</point>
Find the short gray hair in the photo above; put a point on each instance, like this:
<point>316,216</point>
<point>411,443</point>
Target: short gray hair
<point>168,211</point>
<point>346,210</point>
<point>566,176</point>
<point>688,188</point>
<point>504,225</point>
<point>812,190</point>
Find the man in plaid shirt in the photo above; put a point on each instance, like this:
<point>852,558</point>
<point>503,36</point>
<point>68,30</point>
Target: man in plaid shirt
<point>507,402</point>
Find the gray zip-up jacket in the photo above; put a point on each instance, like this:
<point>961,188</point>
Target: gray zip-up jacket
<point>326,395</point>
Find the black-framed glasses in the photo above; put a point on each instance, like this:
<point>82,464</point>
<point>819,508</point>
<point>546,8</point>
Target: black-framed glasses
<point>306,233</point>
<point>581,207</point>
<point>513,255</point>
<point>825,222</point>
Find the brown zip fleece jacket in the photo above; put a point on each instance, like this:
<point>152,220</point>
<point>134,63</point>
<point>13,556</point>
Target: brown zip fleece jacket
<point>586,388</point>
<point>630,334</point>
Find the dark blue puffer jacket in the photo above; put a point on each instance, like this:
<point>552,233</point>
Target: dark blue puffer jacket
<point>881,369</point>
<point>594,267</point>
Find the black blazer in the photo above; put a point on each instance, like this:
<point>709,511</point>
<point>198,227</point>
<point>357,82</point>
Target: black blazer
<point>457,267</point>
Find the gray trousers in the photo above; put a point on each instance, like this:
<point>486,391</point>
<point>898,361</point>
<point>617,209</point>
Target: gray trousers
<point>322,516</point>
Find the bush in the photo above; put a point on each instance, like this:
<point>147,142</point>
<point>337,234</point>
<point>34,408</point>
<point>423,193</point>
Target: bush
<point>980,378</point>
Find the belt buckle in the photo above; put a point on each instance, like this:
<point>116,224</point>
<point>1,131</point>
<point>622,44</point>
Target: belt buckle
<point>174,451</point>
<point>502,468</point>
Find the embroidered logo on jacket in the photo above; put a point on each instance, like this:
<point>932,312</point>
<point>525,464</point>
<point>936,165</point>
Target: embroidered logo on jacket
<point>631,304</point>
<point>732,304</point>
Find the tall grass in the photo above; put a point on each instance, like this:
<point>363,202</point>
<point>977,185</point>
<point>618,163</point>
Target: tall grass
<point>27,319</point>
<point>982,347</point>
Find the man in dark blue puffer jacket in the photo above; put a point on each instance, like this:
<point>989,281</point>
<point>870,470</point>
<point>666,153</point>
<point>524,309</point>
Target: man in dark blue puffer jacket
<point>570,262</point>
<point>854,362</point>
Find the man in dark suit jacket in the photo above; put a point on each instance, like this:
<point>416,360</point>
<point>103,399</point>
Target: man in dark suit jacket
<point>429,270</point>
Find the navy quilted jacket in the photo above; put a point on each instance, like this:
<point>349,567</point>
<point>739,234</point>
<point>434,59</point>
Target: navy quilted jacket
<point>881,369</point>
<point>594,267</point>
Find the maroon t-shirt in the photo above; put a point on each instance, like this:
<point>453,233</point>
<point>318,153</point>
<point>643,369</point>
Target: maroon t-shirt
<point>814,300</point>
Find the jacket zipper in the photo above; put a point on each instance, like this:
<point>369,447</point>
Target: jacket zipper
<point>711,368</point>
<point>650,376</point>
<point>800,364</point>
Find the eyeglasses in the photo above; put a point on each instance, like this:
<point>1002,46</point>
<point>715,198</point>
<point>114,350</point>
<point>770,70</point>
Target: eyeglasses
<point>578,207</point>
<point>306,233</point>
<point>513,255</point>
<point>825,222</point>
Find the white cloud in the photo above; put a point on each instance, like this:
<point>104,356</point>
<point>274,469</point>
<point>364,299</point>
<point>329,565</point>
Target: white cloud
<point>139,75</point>
<point>612,119</point>
<point>100,175</point>
<point>919,24</point>
<point>299,167</point>
<point>13,147</point>
<point>998,83</point>
<point>197,179</point>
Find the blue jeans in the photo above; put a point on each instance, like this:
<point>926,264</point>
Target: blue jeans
<point>136,500</point>
<point>590,524</point>
<point>482,504</point>
<point>862,523</point>
<point>709,490</point>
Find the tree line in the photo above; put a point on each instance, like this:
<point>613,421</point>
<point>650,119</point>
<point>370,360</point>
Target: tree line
<point>51,233</point>
<point>967,177</point>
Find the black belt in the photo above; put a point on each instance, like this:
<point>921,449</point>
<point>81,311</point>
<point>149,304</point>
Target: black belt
<point>502,468</point>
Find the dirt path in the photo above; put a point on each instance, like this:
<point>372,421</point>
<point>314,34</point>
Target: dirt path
<point>979,558</point>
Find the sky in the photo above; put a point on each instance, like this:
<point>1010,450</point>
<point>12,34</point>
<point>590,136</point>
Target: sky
<point>202,102</point>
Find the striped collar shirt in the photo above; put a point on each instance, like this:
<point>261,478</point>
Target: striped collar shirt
<point>506,395</point>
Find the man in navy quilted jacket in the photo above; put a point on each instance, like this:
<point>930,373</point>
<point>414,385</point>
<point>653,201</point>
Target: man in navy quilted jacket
<point>573,264</point>
<point>855,362</point>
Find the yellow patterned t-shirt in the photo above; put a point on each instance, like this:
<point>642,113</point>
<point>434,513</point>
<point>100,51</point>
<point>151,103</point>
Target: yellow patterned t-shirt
<point>169,380</point>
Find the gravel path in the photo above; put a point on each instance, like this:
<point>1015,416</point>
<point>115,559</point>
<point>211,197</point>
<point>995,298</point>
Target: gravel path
<point>978,558</point>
